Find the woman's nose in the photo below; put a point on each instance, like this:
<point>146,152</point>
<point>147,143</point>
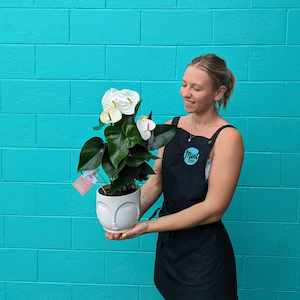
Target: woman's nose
<point>185,91</point>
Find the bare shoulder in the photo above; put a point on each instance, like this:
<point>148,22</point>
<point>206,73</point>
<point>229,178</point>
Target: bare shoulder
<point>229,138</point>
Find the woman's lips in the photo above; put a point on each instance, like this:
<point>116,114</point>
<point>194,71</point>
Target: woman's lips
<point>188,101</point>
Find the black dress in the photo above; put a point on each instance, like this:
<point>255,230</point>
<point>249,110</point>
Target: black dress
<point>196,263</point>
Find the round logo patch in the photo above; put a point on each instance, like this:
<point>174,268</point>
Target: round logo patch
<point>191,155</point>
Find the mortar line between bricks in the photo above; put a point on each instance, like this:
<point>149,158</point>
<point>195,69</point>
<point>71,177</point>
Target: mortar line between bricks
<point>0,102</point>
<point>79,283</point>
<point>105,62</point>
<point>69,26</point>
<point>71,233</point>
<point>140,29</point>
<point>3,231</point>
<point>190,9</point>
<point>175,67</point>
<point>70,96</point>
<point>35,130</point>
<point>160,45</point>
<point>213,27</point>
<point>287,26</point>
<point>37,265</point>
<point>35,61</point>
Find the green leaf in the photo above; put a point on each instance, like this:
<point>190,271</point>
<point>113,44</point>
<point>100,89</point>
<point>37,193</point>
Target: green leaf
<point>91,154</point>
<point>132,135</point>
<point>129,174</point>
<point>117,146</point>
<point>109,169</point>
<point>162,135</point>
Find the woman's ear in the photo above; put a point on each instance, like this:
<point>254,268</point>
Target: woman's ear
<point>220,93</point>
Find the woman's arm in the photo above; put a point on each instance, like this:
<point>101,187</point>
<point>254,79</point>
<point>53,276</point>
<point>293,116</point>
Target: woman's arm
<point>224,174</point>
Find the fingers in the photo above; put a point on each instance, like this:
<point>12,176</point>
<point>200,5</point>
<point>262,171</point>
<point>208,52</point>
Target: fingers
<point>113,235</point>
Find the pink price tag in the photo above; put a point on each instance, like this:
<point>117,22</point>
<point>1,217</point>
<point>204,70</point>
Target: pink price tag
<point>82,184</point>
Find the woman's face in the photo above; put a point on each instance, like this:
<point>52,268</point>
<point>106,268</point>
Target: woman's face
<point>197,90</point>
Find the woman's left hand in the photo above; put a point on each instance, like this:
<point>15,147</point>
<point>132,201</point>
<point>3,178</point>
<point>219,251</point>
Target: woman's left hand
<point>137,230</point>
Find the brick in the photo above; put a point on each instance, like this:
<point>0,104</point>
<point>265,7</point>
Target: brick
<point>260,169</point>
<point>32,26</point>
<point>17,3</point>
<point>16,61</point>
<point>77,266</point>
<point>23,196</point>
<point>35,96</point>
<point>290,239</point>
<point>18,265</point>
<point>262,59</point>
<point>258,92</point>
<point>277,3</point>
<point>160,63</point>
<point>293,36</point>
<point>96,240</point>
<point>2,291</point>
<point>75,130</point>
<point>270,273</point>
<point>18,130</point>
<point>37,232</point>
<point>37,161</point>
<point>288,296</point>
<point>109,292</point>
<point>290,170</point>
<point>25,291</point>
<point>141,4</point>
<point>105,26</point>
<point>56,200</point>
<point>71,3</point>
<point>130,264</point>
<point>284,203</point>
<point>86,95</point>
<point>257,294</point>
<point>148,242</point>
<point>270,238</point>
<point>70,62</point>
<point>235,57</point>
<point>214,4</point>
<point>261,134</point>
<point>273,22</point>
<point>150,293</point>
<point>176,27</point>
<point>154,94</point>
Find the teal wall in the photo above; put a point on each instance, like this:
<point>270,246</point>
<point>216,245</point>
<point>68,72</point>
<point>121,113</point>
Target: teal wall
<point>57,57</point>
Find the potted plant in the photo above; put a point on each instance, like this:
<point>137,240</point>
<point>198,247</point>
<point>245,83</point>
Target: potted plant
<point>123,155</point>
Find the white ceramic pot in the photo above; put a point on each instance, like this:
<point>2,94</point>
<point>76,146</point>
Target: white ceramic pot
<point>118,213</point>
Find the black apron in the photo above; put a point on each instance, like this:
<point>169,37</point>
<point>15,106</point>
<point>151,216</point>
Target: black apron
<point>196,263</point>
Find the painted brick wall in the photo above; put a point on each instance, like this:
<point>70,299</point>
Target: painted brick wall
<point>57,57</point>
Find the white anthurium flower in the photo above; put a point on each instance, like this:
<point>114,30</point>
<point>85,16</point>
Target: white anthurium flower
<point>109,99</point>
<point>110,115</point>
<point>127,101</point>
<point>145,126</point>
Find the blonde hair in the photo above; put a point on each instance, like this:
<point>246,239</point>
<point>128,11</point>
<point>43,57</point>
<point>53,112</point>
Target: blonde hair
<point>217,70</point>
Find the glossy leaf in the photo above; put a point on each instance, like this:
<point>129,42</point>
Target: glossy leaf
<point>91,154</point>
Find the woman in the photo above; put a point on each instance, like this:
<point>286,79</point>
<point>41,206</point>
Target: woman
<point>197,175</point>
